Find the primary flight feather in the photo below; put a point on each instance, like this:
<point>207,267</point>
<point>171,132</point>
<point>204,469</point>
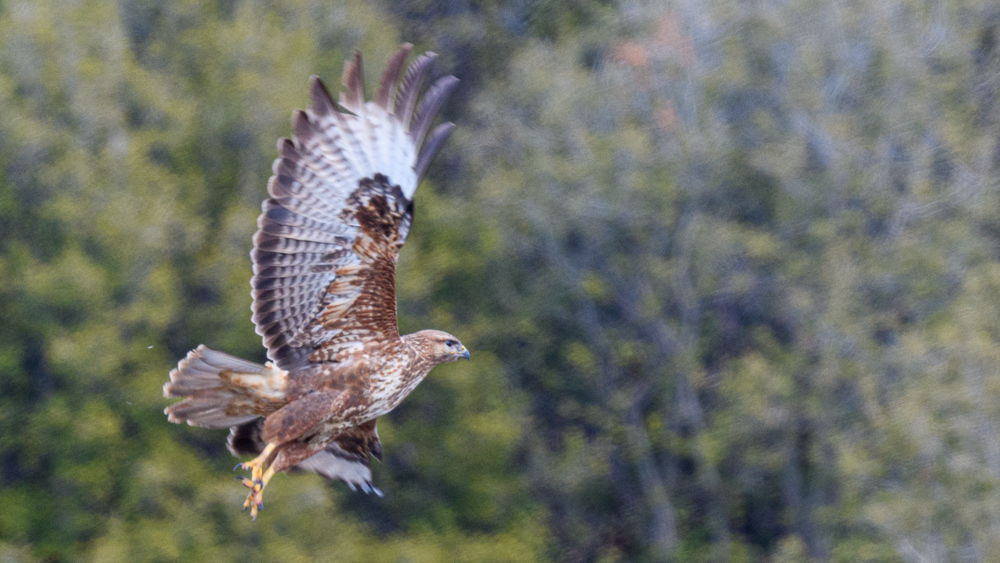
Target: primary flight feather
<point>324,297</point>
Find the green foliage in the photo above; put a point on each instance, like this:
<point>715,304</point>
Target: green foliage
<point>728,272</point>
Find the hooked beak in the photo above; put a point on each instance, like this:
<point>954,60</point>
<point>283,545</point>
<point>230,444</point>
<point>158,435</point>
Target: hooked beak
<point>464,354</point>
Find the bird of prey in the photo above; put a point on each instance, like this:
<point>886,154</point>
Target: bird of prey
<point>324,299</point>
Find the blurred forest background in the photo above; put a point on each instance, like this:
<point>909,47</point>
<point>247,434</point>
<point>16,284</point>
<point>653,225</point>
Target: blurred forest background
<point>729,272</point>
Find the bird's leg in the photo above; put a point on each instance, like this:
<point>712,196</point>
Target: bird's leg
<point>255,500</point>
<point>258,479</point>
<point>256,465</point>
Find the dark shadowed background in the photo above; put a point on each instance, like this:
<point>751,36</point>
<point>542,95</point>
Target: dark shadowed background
<point>729,272</point>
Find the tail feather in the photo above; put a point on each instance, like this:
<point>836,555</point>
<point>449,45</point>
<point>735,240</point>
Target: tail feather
<point>222,391</point>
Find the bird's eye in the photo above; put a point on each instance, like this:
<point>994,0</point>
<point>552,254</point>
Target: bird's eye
<point>450,343</point>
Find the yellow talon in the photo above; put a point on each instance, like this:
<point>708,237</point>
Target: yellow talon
<point>257,481</point>
<point>255,500</point>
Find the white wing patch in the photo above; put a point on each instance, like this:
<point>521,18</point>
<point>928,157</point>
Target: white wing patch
<point>335,463</point>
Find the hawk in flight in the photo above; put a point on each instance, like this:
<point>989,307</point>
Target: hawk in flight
<point>324,298</point>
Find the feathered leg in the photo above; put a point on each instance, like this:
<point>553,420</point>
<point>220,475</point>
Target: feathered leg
<point>284,427</point>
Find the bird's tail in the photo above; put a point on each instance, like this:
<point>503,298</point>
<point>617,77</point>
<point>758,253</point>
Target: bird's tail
<point>222,391</point>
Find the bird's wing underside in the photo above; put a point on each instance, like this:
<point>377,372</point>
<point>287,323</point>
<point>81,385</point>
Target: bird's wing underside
<point>341,205</point>
<point>348,458</point>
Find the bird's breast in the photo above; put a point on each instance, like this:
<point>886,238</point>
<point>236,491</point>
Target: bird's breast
<point>391,384</point>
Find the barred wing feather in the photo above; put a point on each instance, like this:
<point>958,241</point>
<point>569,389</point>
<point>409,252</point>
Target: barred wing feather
<point>341,206</point>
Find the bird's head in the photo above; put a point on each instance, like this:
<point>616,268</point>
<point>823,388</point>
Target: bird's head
<point>439,347</point>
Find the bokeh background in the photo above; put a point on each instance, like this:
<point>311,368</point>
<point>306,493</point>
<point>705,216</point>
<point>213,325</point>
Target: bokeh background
<point>729,272</point>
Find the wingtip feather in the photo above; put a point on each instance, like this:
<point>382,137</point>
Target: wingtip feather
<point>322,101</point>
<point>301,126</point>
<point>390,77</point>
<point>437,138</point>
<point>433,99</point>
<point>406,98</point>
<point>354,80</point>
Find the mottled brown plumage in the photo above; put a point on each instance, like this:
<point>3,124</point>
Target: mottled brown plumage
<point>324,297</point>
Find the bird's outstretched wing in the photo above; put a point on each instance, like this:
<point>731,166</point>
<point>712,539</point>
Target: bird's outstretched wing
<point>341,205</point>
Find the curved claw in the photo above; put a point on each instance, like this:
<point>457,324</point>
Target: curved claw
<point>255,499</point>
<point>257,480</point>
